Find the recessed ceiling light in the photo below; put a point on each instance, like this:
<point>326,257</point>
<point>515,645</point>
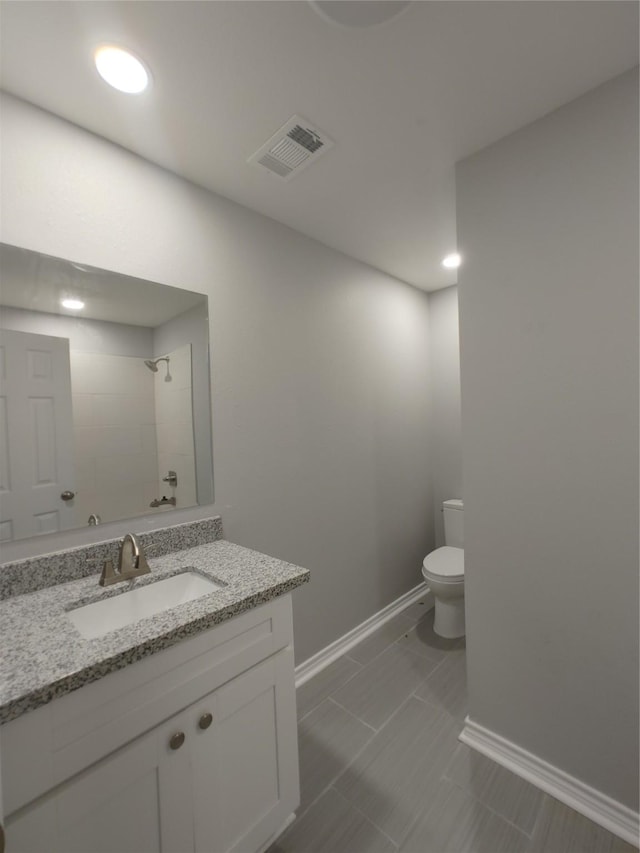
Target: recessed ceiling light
<point>72,304</point>
<point>452,262</point>
<point>121,69</point>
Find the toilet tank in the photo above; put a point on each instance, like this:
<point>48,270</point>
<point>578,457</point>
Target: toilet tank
<point>453,523</point>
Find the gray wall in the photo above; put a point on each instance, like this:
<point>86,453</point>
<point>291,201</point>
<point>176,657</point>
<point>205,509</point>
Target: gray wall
<point>548,223</point>
<point>320,364</point>
<point>444,347</point>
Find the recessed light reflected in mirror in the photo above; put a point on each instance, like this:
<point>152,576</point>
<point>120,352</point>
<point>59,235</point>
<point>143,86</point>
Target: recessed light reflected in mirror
<point>359,13</point>
<point>121,69</point>
<point>452,261</point>
<point>72,304</point>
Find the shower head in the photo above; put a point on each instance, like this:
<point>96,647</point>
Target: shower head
<point>152,364</point>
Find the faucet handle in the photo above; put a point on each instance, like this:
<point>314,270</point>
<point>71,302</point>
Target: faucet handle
<point>109,574</point>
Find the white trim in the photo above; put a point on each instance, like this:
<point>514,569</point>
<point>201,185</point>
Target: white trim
<point>313,665</point>
<point>598,807</point>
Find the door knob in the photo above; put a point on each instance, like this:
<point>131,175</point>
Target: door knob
<point>68,495</point>
<point>176,740</point>
<point>205,720</point>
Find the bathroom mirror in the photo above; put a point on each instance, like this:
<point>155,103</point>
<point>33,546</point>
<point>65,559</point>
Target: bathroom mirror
<point>104,396</point>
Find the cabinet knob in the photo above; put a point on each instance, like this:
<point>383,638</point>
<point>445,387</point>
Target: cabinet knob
<point>176,740</point>
<point>205,720</point>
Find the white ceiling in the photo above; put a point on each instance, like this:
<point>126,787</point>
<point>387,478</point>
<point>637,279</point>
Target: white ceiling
<point>36,282</point>
<point>402,101</point>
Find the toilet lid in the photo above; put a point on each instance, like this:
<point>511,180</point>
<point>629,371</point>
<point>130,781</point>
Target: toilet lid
<point>447,562</point>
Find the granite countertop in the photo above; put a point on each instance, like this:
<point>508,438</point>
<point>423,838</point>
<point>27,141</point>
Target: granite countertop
<point>45,656</point>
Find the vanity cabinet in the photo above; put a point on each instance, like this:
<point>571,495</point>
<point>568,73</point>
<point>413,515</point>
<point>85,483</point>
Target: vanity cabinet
<point>218,774</point>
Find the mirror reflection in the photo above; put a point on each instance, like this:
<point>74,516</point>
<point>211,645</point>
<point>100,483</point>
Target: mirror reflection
<point>104,396</point>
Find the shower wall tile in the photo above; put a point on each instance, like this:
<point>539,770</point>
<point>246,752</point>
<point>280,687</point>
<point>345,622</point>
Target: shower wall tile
<point>149,436</point>
<point>131,427</point>
<point>124,409</point>
<point>131,469</point>
<point>114,436</point>
<point>85,475</point>
<point>82,406</point>
<point>118,441</point>
<point>174,404</point>
<point>176,437</point>
<point>95,373</point>
<point>84,443</point>
<point>174,427</point>
<point>82,381</point>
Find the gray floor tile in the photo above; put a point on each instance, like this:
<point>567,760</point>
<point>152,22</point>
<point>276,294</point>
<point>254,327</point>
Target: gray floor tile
<point>383,685</point>
<point>417,611</point>
<point>377,642</point>
<point>411,777</point>
<point>494,786</point>
<point>400,770</point>
<point>320,686</point>
<point>560,829</point>
<point>328,739</point>
<point>446,686</point>
<point>425,640</point>
<point>332,825</point>
<point>455,822</point>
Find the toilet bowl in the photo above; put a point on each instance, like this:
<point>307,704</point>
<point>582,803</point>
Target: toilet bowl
<point>443,571</point>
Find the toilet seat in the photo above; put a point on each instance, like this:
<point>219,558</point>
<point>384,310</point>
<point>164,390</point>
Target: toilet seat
<point>445,564</point>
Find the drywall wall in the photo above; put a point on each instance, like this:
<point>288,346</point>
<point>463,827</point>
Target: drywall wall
<point>319,363</point>
<point>548,223</point>
<point>444,348</point>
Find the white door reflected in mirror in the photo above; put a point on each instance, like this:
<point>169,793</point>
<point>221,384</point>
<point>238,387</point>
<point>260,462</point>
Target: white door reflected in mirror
<point>37,471</point>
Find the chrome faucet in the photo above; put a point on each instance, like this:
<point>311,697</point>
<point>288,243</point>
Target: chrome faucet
<point>131,563</point>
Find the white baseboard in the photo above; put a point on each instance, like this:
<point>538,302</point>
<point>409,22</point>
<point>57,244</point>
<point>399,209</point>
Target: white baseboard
<point>308,668</point>
<point>606,812</point>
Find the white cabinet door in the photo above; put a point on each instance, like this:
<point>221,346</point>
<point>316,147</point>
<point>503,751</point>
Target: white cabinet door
<point>36,435</point>
<point>245,765</point>
<point>220,776</point>
<point>137,800</point>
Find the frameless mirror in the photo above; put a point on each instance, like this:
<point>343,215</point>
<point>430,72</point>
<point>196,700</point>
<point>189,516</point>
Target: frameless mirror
<point>104,396</point>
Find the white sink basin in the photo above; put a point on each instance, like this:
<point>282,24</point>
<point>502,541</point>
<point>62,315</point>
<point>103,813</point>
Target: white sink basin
<point>100,617</point>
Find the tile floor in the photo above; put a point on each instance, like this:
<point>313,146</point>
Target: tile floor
<point>381,768</point>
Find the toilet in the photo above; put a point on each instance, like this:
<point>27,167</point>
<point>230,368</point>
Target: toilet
<point>443,571</point>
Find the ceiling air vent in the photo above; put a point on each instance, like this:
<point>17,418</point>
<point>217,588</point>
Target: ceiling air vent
<point>294,147</point>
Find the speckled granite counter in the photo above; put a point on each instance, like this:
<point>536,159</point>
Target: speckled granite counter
<point>44,656</point>
<point>33,573</point>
